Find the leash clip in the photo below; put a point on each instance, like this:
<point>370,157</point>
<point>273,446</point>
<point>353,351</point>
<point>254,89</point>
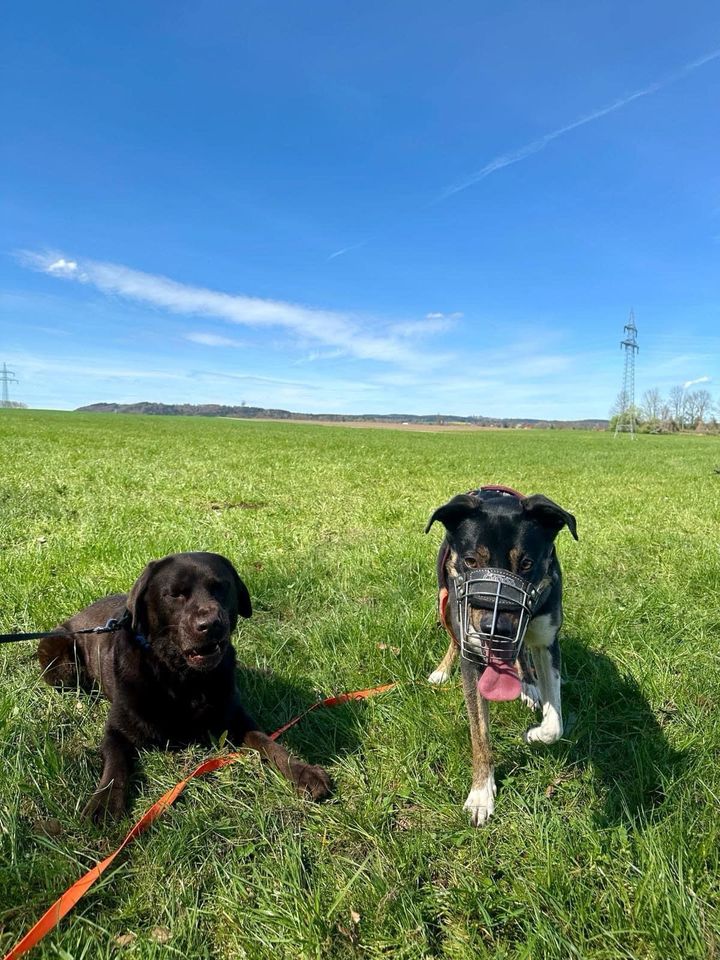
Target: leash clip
<point>112,626</point>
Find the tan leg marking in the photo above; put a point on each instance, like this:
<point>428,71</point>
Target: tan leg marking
<point>480,802</point>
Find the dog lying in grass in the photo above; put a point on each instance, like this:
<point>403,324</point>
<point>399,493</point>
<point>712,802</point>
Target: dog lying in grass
<point>500,584</point>
<point>169,672</point>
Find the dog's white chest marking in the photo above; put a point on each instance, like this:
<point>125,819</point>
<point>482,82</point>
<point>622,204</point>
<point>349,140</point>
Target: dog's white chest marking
<point>541,632</point>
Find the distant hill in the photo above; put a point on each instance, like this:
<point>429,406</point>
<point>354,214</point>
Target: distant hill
<point>263,413</point>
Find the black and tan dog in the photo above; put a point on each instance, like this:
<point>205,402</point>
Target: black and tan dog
<point>495,529</point>
<point>169,672</point>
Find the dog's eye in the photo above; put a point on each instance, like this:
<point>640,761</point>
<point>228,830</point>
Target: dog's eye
<point>471,562</point>
<point>179,594</point>
<point>526,564</point>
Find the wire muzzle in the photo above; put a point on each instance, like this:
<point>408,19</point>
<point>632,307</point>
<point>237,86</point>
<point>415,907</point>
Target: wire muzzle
<point>507,602</point>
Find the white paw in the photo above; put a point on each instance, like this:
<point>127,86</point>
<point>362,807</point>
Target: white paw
<point>480,803</point>
<point>439,676</point>
<point>530,696</point>
<point>546,732</point>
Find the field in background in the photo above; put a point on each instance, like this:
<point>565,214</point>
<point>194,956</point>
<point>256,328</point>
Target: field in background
<point>604,845</point>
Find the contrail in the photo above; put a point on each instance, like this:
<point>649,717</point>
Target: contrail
<point>343,250</point>
<point>515,156</point>
<point>691,383</point>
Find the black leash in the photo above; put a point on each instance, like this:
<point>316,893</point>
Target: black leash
<point>112,626</point>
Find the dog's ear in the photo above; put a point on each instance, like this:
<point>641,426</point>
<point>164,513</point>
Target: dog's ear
<point>548,514</point>
<point>241,591</point>
<point>451,513</point>
<point>136,601</point>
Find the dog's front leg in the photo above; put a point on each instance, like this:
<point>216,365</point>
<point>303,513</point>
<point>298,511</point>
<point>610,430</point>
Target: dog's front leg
<point>441,673</point>
<point>308,779</point>
<point>542,639</point>
<point>480,802</point>
<point>109,798</point>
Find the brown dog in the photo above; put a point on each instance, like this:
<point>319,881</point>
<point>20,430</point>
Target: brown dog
<point>501,602</point>
<point>169,672</point>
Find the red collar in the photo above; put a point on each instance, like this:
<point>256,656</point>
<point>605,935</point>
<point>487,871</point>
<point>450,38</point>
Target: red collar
<point>498,488</point>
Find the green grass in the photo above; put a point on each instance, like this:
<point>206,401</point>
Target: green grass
<point>604,845</point>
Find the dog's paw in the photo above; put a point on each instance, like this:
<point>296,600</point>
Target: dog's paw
<point>439,676</point>
<point>105,804</point>
<point>480,803</point>
<point>530,696</point>
<point>545,732</point>
<point>312,781</point>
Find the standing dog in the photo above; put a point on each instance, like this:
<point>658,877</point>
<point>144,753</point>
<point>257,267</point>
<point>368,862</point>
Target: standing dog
<point>500,584</point>
<point>169,672</point>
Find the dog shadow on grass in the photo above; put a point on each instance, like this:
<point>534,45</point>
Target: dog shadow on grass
<point>612,727</point>
<point>322,736</point>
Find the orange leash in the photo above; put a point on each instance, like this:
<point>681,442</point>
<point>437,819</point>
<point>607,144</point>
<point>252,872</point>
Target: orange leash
<point>54,914</point>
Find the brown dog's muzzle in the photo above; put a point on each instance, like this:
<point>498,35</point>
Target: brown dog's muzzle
<point>204,638</point>
<point>210,625</point>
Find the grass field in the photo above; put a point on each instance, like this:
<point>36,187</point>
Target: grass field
<point>605,845</point>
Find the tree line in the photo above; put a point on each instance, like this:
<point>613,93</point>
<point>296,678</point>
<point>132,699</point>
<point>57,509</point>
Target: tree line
<point>681,409</point>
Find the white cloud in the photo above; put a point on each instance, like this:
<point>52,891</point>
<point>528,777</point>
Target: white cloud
<point>340,331</point>
<point>73,380</point>
<point>213,340</point>
<point>691,383</point>
<point>432,323</point>
<point>515,156</point>
<point>63,267</point>
<point>319,355</point>
<point>38,368</point>
<point>491,384</point>
<point>502,372</point>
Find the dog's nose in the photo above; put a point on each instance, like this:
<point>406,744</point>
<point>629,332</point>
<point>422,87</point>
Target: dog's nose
<point>505,624</point>
<point>207,622</point>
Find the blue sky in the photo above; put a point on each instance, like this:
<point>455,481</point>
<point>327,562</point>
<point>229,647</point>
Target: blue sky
<point>378,207</point>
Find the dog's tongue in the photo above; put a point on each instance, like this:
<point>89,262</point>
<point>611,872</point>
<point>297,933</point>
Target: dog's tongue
<point>499,681</point>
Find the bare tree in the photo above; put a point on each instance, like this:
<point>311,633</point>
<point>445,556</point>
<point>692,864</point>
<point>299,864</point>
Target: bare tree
<point>676,399</point>
<point>690,417</point>
<point>703,403</point>
<point>651,404</point>
<point>619,405</point>
<point>695,407</point>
